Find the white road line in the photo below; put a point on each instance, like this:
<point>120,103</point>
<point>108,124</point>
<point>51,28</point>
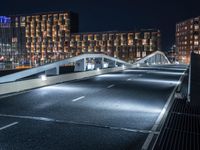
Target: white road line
<point>14,94</point>
<point>129,79</point>
<point>28,117</point>
<point>73,122</point>
<point>9,125</point>
<point>79,98</point>
<point>110,86</point>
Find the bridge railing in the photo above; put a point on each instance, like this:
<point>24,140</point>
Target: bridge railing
<point>86,62</point>
<point>157,57</point>
<point>81,64</point>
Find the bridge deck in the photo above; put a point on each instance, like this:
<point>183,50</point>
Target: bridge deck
<point>113,111</point>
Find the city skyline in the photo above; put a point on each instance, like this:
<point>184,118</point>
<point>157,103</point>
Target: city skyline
<point>111,15</point>
<point>51,36</point>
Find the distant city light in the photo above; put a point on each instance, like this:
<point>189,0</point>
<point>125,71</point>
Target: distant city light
<point>4,19</point>
<point>1,58</point>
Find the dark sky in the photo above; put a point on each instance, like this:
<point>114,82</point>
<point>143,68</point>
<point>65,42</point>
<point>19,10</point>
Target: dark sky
<point>122,15</point>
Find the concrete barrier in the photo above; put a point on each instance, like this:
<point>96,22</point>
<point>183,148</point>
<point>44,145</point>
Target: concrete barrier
<point>194,80</point>
<point>19,86</point>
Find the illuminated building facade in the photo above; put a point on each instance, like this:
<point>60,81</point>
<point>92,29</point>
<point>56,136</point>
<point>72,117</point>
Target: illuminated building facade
<point>45,35</point>
<point>5,38</point>
<point>42,38</point>
<point>188,38</point>
<point>128,46</point>
<point>5,22</point>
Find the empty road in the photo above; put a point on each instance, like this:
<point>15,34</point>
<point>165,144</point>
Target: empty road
<point>115,111</point>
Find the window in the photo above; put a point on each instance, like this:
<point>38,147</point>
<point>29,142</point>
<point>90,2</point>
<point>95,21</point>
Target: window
<point>196,43</point>
<point>143,54</point>
<point>196,27</point>
<point>138,54</point>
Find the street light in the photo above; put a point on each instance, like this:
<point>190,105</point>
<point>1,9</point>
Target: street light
<point>43,77</point>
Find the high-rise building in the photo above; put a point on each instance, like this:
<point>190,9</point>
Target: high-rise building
<point>45,35</point>
<point>4,40</point>
<point>188,38</point>
<point>128,46</point>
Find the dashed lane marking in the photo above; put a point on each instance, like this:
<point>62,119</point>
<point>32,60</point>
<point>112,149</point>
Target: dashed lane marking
<point>9,125</point>
<point>76,123</point>
<point>110,86</point>
<point>78,99</point>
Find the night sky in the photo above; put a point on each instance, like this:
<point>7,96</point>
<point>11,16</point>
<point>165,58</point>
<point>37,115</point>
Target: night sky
<point>112,15</point>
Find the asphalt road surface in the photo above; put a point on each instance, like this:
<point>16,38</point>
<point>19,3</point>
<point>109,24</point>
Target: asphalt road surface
<point>113,111</point>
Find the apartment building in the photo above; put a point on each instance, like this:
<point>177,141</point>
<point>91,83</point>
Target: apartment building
<point>188,38</point>
<point>41,38</point>
<point>128,46</point>
<point>45,35</point>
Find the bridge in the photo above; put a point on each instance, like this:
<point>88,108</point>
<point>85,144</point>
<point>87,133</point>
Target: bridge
<point>122,107</point>
<point>86,62</point>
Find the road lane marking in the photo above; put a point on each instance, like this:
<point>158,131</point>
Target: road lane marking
<point>129,79</point>
<point>110,86</point>
<point>77,99</point>
<point>9,125</point>
<point>27,117</point>
<point>14,94</point>
<point>76,123</point>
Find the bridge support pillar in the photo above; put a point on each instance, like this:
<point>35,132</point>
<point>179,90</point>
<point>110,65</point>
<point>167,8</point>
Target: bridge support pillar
<point>54,71</point>
<point>98,63</point>
<point>80,65</point>
<point>106,63</point>
<point>112,64</point>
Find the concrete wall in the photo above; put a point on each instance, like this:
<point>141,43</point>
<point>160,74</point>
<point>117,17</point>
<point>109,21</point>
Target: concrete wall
<point>18,86</point>
<point>194,86</point>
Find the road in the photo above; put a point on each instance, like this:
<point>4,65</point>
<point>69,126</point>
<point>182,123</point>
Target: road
<point>113,111</point>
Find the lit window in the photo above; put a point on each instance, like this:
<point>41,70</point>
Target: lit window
<point>144,42</point>
<point>185,37</point>
<point>196,27</point>
<point>143,54</point>
<point>196,43</point>
<point>138,54</point>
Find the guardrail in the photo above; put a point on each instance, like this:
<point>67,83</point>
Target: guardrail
<point>19,86</point>
<point>16,86</point>
<point>164,113</point>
